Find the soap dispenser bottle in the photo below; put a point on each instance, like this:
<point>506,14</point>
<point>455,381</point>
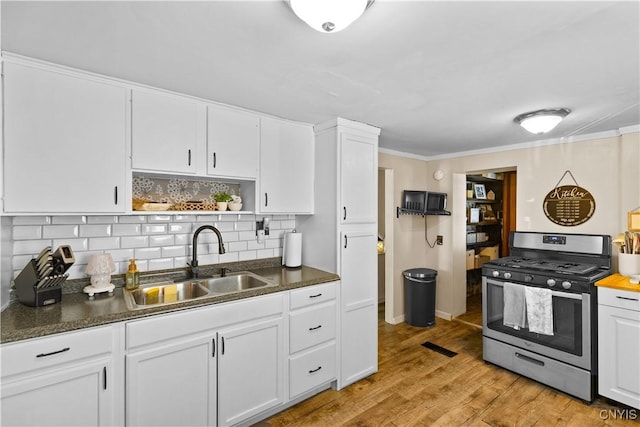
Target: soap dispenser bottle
<point>132,278</point>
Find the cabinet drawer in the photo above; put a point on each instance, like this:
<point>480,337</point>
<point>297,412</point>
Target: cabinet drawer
<point>619,298</point>
<point>311,369</point>
<point>39,353</point>
<point>312,326</point>
<point>312,295</point>
<point>194,321</point>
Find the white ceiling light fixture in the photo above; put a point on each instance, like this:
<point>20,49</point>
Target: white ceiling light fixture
<point>542,121</point>
<point>329,16</point>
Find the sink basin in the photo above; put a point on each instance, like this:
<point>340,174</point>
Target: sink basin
<point>235,282</point>
<point>165,293</point>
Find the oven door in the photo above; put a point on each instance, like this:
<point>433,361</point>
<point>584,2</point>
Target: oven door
<point>571,339</point>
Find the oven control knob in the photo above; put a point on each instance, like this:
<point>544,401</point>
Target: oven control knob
<point>507,275</point>
<point>495,273</point>
<point>528,278</point>
<point>566,284</point>
<point>551,282</point>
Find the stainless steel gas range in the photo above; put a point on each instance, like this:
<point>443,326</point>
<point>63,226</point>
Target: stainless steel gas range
<point>539,308</point>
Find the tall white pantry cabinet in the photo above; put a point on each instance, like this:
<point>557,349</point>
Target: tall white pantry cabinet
<point>341,236</point>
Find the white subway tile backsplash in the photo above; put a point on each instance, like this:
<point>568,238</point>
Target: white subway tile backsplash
<point>77,219</point>
<point>134,241</point>
<point>102,219</point>
<point>164,240</point>
<point>158,218</point>
<point>174,251</point>
<point>31,220</point>
<point>253,245</point>
<point>126,229</point>
<point>157,241</point>
<point>60,231</point>
<point>247,255</point>
<point>180,228</point>
<point>147,253</point>
<point>154,229</point>
<point>132,219</point>
<point>104,243</point>
<point>236,246</point>
<point>265,253</point>
<point>247,235</point>
<point>244,226</point>
<point>96,230</point>
<point>27,232</point>
<point>224,226</point>
<point>229,257</point>
<point>160,264</point>
<point>183,239</point>
<point>288,224</point>
<point>209,258</point>
<point>29,247</point>
<point>122,255</point>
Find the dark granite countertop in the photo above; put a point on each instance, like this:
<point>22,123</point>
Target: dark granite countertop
<point>77,311</point>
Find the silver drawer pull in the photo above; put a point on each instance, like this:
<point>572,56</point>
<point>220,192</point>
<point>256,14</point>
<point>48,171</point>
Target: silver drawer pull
<point>315,370</point>
<point>317,327</point>
<point>628,299</point>
<point>53,352</point>
<point>530,359</point>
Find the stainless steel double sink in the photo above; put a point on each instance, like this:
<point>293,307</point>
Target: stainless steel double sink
<point>163,293</point>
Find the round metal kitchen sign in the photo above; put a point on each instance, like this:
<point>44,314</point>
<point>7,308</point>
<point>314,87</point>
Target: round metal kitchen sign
<point>569,205</point>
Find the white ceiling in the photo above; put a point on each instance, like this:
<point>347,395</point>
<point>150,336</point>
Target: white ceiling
<point>437,77</point>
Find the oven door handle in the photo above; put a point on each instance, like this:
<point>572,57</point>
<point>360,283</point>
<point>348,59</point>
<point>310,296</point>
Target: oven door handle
<point>553,293</point>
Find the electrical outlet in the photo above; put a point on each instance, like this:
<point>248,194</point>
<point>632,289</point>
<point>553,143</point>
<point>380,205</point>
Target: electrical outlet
<point>438,240</point>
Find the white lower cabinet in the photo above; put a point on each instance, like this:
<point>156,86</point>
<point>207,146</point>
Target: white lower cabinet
<point>62,380</point>
<point>312,338</point>
<point>250,370</point>
<point>218,365</point>
<point>619,345</point>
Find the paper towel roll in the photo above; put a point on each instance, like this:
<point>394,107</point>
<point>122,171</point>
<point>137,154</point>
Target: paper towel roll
<point>292,250</point>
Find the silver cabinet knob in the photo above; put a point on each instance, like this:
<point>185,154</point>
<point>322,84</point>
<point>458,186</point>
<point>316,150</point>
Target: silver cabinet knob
<point>551,282</point>
<point>566,284</point>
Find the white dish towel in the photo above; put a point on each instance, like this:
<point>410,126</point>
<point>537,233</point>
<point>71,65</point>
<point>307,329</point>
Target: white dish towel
<point>539,310</point>
<point>513,314</point>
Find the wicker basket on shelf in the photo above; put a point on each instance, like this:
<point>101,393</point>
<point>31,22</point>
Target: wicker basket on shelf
<point>194,206</point>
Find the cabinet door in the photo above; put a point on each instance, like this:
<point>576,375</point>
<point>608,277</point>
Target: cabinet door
<point>250,370</point>
<point>619,354</point>
<point>65,143</point>
<point>286,167</point>
<point>76,396</point>
<point>232,143</point>
<point>358,179</point>
<point>359,320</point>
<point>167,132</point>
<point>172,385</point>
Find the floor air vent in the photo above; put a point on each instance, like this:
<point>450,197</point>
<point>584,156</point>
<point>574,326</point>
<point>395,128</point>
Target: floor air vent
<point>441,350</point>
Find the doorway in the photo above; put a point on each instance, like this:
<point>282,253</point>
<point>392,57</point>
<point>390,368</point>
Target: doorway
<point>385,245</point>
<point>490,217</point>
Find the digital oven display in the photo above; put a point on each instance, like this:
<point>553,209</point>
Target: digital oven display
<point>553,239</point>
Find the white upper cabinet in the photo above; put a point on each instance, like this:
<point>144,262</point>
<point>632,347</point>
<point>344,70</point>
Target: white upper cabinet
<point>358,178</point>
<point>64,142</point>
<point>168,132</point>
<point>232,143</point>
<point>286,167</point>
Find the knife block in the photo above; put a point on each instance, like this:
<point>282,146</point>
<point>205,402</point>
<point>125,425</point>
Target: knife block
<point>28,294</point>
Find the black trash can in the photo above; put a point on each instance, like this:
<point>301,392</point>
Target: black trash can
<point>420,296</point>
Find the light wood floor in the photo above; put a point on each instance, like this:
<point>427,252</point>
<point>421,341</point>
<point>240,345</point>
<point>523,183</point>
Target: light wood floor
<point>418,386</point>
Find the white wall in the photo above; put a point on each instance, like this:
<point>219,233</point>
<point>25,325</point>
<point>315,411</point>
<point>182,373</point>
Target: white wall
<point>607,167</point>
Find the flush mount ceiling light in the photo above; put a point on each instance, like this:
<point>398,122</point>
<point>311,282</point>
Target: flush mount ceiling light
<point>542,121</point>
<point>329,16</point>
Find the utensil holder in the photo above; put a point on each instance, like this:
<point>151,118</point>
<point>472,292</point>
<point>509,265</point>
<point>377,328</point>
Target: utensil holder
<point>29,294</point>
